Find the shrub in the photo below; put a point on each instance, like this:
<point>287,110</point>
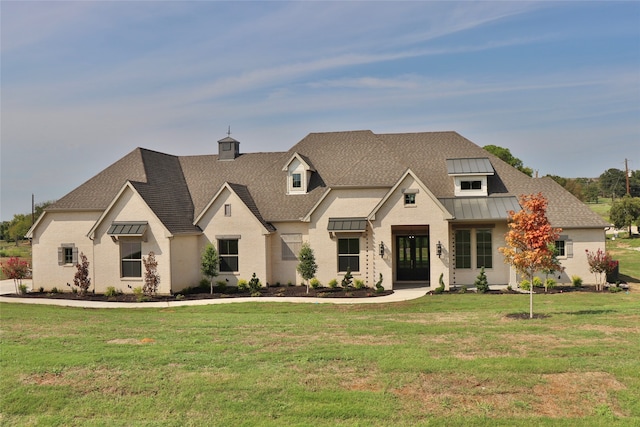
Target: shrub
<point>481,283</point>
<point>347,279</point>
<point>576,281</point>
<point>537,282</point>
<point>55,290</point>
<point>525,285</point>
<point>243,285</point>
<point>379,287</point>
<point>139,293</point>
<point>111,292</point>
<point>358,284</point>
<point>22,288</point>
<point>314,283</point>
<point>179,297</point>
<point>289,283</point>
<point>221,285</point>
<point>254,285</point>
<point>41,289</point>
<point>549,283</point>
<point>463,290</point>
<point>440,288</point>
<point>333,283</point>
<point>615,289</point>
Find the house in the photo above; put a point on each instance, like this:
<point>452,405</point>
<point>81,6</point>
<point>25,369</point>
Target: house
<point>412,207</point>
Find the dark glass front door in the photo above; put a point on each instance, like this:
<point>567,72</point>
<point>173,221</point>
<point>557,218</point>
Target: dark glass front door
<point>412,258</point>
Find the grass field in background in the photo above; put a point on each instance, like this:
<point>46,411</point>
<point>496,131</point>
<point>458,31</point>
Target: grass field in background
<point>441,360</point>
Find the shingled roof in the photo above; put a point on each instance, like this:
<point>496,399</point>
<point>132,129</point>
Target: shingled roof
<point>177,188</point>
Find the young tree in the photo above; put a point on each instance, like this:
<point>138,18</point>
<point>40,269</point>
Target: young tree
<point>81,278</point>
<point>624,212</point>
<point>17,270</point>
<point>209,263</point>
<point>530,240</point>
<point>307,266</point>
<point>481,283</point>
<point>151,276</point>
<point>600,264</point>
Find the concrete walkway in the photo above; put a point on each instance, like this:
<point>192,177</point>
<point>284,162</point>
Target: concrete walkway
<point>7,287</point>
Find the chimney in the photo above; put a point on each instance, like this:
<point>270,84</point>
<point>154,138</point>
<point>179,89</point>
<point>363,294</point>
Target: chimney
<point>228,148</point>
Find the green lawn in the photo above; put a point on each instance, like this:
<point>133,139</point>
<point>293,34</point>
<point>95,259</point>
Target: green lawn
<point>459,359</point>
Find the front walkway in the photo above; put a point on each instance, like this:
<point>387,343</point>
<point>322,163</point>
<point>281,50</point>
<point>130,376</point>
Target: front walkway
<point>7,287</point>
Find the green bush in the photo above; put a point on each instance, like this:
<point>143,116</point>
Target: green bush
<point>22,288</point>
<point>358,284</point>
<point>614,289</point>
<point>255,285</point>
<point>463,290</point>
<point>179,297</point>
<point>525,285</point>
<point>314,283</point>
<point>347,279</point>
<point>243,285</point>
<point>221,286</point>
<point>537,282</point>
<point>549,283</point>
<point>333,283</point>
<point>111,292</point>
<point>379,287</point>
<point>55,290</point>
<point>576,281</point>
<point>481,283</point>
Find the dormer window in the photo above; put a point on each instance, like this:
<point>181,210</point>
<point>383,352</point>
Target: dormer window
<point>470,175</point>
<point>299,170</point>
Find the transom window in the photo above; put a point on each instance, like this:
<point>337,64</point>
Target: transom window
<point>228,254</point>
<point>131,256</point>
<point>349,254</point>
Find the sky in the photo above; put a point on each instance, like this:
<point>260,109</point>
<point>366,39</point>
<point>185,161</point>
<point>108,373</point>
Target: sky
<point>84,83</point>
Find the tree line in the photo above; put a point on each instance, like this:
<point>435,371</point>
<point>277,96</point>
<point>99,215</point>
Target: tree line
<point>15,229</point>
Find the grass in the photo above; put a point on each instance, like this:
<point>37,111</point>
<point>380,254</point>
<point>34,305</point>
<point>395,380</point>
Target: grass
<point>449,360</point>
<point>602,208</point>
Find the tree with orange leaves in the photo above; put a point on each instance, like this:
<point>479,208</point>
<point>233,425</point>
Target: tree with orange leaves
<point>531,240</point>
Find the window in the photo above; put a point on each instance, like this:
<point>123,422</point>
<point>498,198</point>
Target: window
<point>564,246</point>
<point>228,251</point>
<point>131,255</point>
<point>67,254</point>
<point>349,254</point>
<point>484,256</point>
<point>297,180</point>
<point>291,244</point>
<point>226,146</point>
<point>471,185</point>
<point>463,248</point>
<point>410,199</point>
<point>227,210</point>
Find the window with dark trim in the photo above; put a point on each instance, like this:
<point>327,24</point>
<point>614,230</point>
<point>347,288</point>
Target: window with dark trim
<point>67,254</point>
<point>349,254</point>
<point>560,248</point>
<point>296,180</point>
<point>471,185</point>
<point>410,199</point>
<point>484,255</point>
<point>463,248</point>
<point>131,258</point>
<point>228,254</point>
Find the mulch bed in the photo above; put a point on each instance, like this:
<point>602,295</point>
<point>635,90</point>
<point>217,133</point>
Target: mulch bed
<point>271,291</point>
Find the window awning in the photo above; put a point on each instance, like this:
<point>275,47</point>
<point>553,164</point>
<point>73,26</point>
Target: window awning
<point>479,166</point>
<point>347,224</point>
<point>128,229</point>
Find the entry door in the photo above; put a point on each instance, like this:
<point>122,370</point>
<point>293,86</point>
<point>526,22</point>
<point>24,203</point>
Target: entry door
<point>412,258</point>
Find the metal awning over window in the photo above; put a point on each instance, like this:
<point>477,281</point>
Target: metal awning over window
<point>128,229</point>
<point>347,224</point>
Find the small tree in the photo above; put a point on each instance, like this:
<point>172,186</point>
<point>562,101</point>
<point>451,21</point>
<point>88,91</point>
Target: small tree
<point>530,240</point>
<point>347,279</point>
<point>151,276</point>
<point>81,279</point>
<point>209,263</point>
<point>17,270</point>
<point>307,266</point>
<point>481,283</point>
<point>600,264</point>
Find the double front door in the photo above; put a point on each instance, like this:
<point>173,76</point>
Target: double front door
<point>412,258</point>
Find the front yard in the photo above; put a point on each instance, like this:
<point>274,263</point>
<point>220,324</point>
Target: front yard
<point>452,359</point>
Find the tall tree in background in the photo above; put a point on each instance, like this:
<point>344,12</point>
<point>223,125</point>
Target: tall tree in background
<point>625,212</point>
<point>531,240</point>
<point>613,183</point>
<point>505,155</point>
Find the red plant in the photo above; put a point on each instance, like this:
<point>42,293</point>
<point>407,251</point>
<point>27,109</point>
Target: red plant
<point>17,270</point>
<point>81,279</point>
<point>600,264</point>
<point>151,276</point>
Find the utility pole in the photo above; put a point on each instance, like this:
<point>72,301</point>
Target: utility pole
<point>626,174</point>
